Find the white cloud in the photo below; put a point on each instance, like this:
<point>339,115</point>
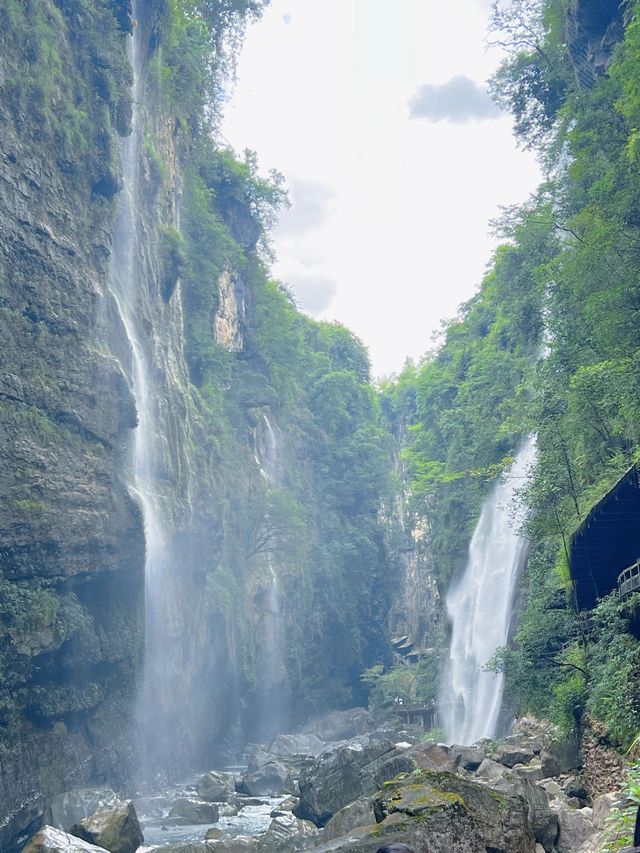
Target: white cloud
<point>459,101</point>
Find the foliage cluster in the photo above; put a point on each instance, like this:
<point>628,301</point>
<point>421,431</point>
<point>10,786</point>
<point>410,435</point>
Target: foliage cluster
<point>570,265</point>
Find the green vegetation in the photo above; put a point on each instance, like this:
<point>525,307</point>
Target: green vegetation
<point>569,264</point>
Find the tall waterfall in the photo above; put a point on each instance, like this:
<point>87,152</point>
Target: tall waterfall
<point>274,688</point>
<point>480,606</point>
<point>130,274</point>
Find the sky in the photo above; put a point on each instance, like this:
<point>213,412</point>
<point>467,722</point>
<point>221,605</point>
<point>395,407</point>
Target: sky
<point>394,157</point>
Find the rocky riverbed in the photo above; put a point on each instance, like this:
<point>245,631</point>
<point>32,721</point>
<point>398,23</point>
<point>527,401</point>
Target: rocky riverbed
<point>347,785</point>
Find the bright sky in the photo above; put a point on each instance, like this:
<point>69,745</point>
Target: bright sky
<point>388,231</point>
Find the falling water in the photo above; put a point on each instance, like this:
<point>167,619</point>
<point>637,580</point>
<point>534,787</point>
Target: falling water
<point>126,277</point>
<point>273,673</point>
<point>480,606</point>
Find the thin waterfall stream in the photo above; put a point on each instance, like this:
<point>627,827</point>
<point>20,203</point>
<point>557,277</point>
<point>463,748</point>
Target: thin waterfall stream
<point>480,607</point>
<point>125,280</point>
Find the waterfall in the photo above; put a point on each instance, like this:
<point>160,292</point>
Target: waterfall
<point>273,673</point>
<point>129,276</point>
<point>480,606</point>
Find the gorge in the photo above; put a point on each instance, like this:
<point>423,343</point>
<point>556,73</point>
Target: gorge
<point>220,538</point>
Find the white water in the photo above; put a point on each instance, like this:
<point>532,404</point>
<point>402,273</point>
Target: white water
<point>480,607</point>
<point>126,276</point>
<point>273,673</point>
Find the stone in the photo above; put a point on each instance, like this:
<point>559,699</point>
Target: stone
<point>532,772</point>
<point>347,773</point>
<point>561,756</point>
<point>73,806</point>
<point>215,787</point>
<point>297,744</point>
<point>289,826</point>
<point>52,840</point>
<point>268,780</point>
<point>553,789</point>
<point>490,771</point>
<point>542,818</point>
<point>228,809</point>
<point>574,787</point>
<point>603,806</point>
<point>576,826</point>
<point>510,755</point>
<point>433,756</point>
<point>441,812</point>
<point>468,757</point>
<point>213,834</point>
<point>187,810</point>
<point>357,814</point>
<point>342,725</point>
<point>287,805</point>
<point>115,828</point>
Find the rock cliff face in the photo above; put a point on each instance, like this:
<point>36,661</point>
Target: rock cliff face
<point>594,27</point>
<point>71,537</point>
<point>72,527</point>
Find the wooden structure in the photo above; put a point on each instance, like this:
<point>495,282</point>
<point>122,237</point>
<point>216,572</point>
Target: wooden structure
<point>424,715</point>
<point>629,581</point>
<point>606,547</point>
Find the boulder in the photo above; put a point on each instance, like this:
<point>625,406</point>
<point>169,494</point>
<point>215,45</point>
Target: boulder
<point>576,827</point>
<point>441,813</point>
<point>115,828</point>
<point>603,806</point>
<point>213,834</point>
<point>187,810</point>
<point>341,725</point>
<point>285,806</point>
<point>574,787</point>
<point>350,817</point>
<point>542,818</point>
<point>216,787</point>
<point>512,754</point>
<point>52,840</point>
<point>349,772</point>
<point>468,757</point>
<point>491,772</point>
<point>288,826</point>
<point>73,806</point>
<point>268,780</point>
<point>560,756</point>
<point>532,772</point>
<point>300,744</point>
<point>433,756</point>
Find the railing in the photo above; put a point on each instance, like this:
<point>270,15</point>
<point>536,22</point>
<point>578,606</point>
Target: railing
<point>629,580</point>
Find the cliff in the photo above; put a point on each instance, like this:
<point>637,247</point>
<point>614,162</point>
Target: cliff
<point>265,456</point>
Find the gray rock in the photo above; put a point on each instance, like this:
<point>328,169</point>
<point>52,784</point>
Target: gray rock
<point>187,810</point>
<point>285,806</point>
<point>512,754</point>
<point>441,813</point>
<point>215,787</point>
<point>576,827</point>
<point>73,806</point>
<point>532,772</point>
<point>115,828</point>
<point>561,756</point>
<point>342,725</point>
<point>350,817</point>
<point>433,756</point>
<point>468,757</point>
<point>603,806</point>
<point>289,826</point>
<point>270,779</point>
<point>490,771</point>
<point>52,840</point>
<point>300,744</point>
<point>347,773</point>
